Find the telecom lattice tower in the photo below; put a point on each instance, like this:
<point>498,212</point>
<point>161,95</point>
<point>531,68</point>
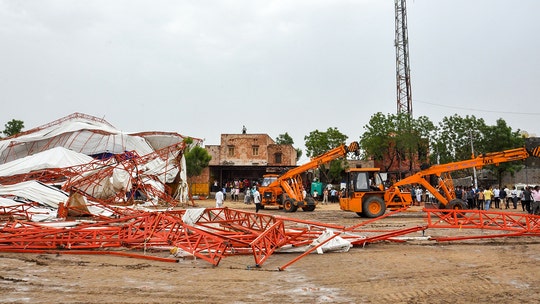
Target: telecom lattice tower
<point>403,73</point>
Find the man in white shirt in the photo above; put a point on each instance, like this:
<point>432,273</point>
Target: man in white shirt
<point>257,199</point>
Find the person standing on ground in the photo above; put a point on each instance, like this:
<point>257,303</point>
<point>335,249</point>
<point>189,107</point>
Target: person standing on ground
<point>247,196</point>
<point>236,194</point>
<point>526,198</point>
<point>515,197</point>
<point>480,199</point>
<point>496,197</point>
<point>459,193</point>
<point>224,192</point>
<point>325,196</point>
<point>257,199</point>
<point>535,203</point>
<point>219,199</point>
<point>333,195</point>
<point>503,197</point>
<point>471,198</point>
<point>232,194</point>
<point>487,198</point>
<point>418,193</point>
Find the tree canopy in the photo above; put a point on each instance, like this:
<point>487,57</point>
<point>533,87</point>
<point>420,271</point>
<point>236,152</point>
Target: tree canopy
<point>284,139</point>
<point>13,127</point>
<point>397,138</point>
<point>197,158</point>
<point>318,143</point>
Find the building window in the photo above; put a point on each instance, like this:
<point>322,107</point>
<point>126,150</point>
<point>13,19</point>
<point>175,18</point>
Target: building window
<point>277,158</point>
<point>230,151</point>
<point>255,150</point>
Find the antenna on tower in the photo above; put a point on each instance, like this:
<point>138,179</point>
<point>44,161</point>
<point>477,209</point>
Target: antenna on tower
<point>403,72</point>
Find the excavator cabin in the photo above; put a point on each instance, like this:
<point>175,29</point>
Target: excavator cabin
<point>366,194</point>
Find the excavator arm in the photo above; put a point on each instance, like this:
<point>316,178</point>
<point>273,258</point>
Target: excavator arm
<point>315,162</point>
<point>445,184</point>
<point>290,182</point>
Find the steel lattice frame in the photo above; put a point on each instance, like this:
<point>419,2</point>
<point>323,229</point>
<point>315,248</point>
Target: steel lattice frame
<point>219,232</point>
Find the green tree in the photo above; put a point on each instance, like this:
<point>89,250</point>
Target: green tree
<point>13,127</point>
<point>377,140</point>
<point>397,138</point>
<point>286,139</point>
<point>318,143</point>
<point>458,136</point>
<point>501,137</point>
<point>452,141</point>
<point>197,158</point>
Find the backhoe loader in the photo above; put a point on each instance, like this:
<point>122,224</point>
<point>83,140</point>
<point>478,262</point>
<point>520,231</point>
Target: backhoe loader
<point>366,195</point>
<point>286,190</point>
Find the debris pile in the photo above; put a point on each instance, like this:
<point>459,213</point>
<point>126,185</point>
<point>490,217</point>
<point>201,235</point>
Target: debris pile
<point>84,164</point>
<point>78,186</point>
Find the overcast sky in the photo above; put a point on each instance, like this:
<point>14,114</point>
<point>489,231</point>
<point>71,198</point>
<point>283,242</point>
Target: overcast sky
<point>203,68</point>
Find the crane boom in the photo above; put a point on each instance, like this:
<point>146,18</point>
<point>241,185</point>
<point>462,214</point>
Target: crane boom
<point>443,171</point>
<point>285,190</point>
<point>317,161</point>
<point>369,201</point>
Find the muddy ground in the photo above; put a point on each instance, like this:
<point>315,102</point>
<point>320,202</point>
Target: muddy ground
<point>502,270</point>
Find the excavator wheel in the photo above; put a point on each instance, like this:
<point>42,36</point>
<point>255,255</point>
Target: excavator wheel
<point>288,206</point>
<point>457,204</point>
<point>310,206</point>
<point>373,206</point>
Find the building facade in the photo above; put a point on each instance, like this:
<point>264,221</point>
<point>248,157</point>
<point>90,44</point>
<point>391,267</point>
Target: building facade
<point>247,157</point>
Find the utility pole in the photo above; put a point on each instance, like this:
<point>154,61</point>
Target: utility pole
<point>403,72</point>
<point>474,168</point>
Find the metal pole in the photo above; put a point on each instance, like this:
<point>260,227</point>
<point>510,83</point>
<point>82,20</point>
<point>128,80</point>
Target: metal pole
<point>474,168</point>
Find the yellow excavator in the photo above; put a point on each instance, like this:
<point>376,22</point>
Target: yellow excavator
<point>366,195</point>
<point>286,191</point>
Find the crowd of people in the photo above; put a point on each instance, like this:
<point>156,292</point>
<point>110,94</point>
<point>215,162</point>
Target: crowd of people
<point>490,197</point>
<point>477,198</point>
<point>232,189</point>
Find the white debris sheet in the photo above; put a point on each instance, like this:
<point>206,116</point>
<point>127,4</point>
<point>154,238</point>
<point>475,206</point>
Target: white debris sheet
<point>58,157</point>
<point>78,133</point>
<point>47,196</point>
<point>337,244</point>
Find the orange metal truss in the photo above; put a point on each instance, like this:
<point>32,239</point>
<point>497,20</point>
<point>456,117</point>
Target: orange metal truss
<point>83,178</point>
<point>215,233</point>
<point>512,223</point>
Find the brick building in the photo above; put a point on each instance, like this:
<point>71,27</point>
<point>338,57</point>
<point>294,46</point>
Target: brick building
<point>246,157</point>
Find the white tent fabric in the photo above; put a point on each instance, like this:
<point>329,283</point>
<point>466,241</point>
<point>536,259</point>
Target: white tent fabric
<point>45,195</point>
<point>337,244</point>
<point>58,157</point>
<point>73,140</point>
<point>79,134</point>
<point>36,192</point>
<point>183,188</point>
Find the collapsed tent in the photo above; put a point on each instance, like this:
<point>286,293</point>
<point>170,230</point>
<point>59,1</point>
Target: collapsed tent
<point>78,132</point>
<point>40,202</point>
<point>58,157</point>
<point>87,156</point>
